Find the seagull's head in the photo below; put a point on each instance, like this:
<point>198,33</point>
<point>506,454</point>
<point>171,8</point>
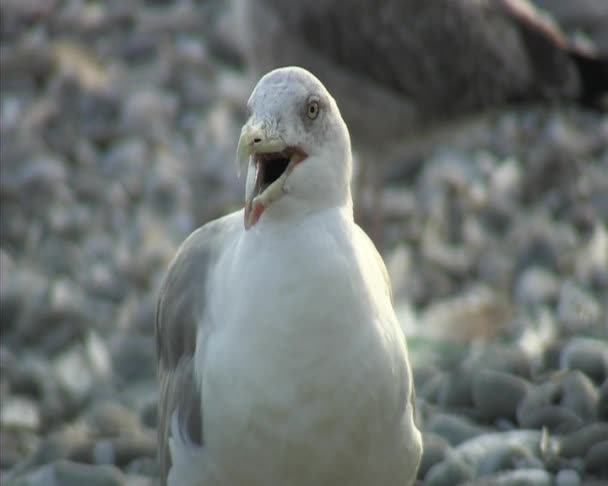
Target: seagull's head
<point>295,147</point>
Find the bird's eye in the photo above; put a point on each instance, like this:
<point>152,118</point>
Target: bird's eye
<point>312,109</point>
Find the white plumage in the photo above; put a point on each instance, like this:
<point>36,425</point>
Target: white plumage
<point>281,359</point>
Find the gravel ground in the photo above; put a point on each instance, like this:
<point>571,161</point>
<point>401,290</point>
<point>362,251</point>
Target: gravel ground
<point>118,125</point>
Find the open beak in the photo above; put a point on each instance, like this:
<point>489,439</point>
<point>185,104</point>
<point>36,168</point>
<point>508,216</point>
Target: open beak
<point>269,162</point>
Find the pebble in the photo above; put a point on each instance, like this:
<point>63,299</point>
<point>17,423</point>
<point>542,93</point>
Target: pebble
<point>596,459</point>
<point>567,477</point>
<point>20,413</point>
<point>578,443</point>
<point>520,477</point>
<point>121,451</point>
<point>563,403</point>
<point>68,473</point>
<point>74,374</point>
<point>499,358</point>
<point>497,394</point>
<point>449,472</point>
<point>133,357</point>
<point>537,286</point>
<point>553,417</point>
<point>491,452</point>
<point>587,355</point>
<point>453,428</point>
<point>579,394</point>
<point>603,402</point>
<point>111,419</point>
<point>435,449</point>
<point>577,309</point>
<point>456,389</point>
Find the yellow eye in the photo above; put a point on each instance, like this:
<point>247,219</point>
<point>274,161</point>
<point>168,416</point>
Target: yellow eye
<point>312,110</point>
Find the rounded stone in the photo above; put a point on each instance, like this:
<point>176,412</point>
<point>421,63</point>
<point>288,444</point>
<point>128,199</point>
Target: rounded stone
<point>567,477</point>
<point>576,444</point>
<point>68,473</point>
<point>518,477</point>
<point>455,391</point>
<point>435,449</point>
<point>602,406</point>
<point>590,356</point>
<point>579,395</point>
<point>449,472</point>
<point>554,417</point>
<point>596,459</point>
<point>453,428</point>
<point>497,394</point>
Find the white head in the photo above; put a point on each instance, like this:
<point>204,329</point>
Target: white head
<point>296,147</point>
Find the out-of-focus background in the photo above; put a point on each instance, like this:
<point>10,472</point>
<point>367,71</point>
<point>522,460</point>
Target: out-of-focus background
<point>118,127</point>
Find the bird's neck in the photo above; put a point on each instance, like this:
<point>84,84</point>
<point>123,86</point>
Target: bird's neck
<point>288,213</point>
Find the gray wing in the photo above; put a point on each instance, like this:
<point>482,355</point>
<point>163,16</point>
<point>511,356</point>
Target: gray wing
<point>419,60</point>
<point>179,320</point>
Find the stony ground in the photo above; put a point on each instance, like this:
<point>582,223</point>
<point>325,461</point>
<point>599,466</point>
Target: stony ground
<point>118,124</point>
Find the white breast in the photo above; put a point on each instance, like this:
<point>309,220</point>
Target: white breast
<point>305,377</point>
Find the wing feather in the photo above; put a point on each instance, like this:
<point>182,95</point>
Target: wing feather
<point>435,58</point>
<point>180,318</point>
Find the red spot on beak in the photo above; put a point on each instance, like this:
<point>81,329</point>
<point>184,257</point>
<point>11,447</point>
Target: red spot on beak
<point>253,214</point>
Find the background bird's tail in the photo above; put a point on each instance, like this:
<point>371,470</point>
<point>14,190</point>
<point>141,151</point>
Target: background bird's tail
<point>593,72</point>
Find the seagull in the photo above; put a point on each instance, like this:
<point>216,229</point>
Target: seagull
<point>281,360</point>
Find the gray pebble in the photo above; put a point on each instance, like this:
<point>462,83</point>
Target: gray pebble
<point>579,395</point>
<point>493,451</point>
<point>74,374</point>
<point>567,477</point>
<point>140,480</point>
<point>537,285</point>
<point>148,112</point>
<point>144,466</point>
<point>576,444</point>
<point>497,394</point>
<point>453,428</point>
<point>430,390</point>
<point>121,451</point>
<point>19,413</point>
<point>503,457</point>
<point>16,444</point>
<point>111,419</point>
<point>500,358</point>
<point>449,472</point>
<point>68,473</point>
<point>554,417</point>
<point>435,449</point>
<point>133,357</point>
<point>563,403</point>
<point>149,414</point>
<point>64,443</point>
<point>602,406</point>
<point>596,459</point>
<point>577,309</point>
<point>520,477</point>
<point>455,391</point>
<point>587,355</point>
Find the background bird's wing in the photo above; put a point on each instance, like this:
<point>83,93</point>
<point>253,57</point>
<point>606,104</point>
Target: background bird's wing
<point>445,57</point>
<point>180,320</point>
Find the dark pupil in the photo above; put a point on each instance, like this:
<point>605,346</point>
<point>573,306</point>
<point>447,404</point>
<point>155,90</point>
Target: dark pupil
<point>312,109</point>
